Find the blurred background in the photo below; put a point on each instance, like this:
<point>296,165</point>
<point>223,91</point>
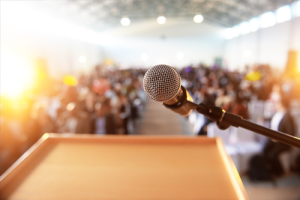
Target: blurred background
<point>78,67</point>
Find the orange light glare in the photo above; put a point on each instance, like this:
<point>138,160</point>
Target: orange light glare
<point>17,75</point>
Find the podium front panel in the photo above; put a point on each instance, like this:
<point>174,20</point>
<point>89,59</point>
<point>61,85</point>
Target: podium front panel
<point>132,167</point>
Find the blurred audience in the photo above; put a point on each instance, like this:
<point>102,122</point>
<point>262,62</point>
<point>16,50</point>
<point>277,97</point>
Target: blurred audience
<point>281,121</point>
<point>110,101</point>
<point>103,102</point>
<point>239,108</point>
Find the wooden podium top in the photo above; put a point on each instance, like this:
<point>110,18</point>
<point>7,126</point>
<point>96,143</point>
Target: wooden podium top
<point>123,167</point>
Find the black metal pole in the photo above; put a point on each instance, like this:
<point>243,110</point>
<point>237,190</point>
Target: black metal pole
<point>224,120</point>
<point>276,135</point>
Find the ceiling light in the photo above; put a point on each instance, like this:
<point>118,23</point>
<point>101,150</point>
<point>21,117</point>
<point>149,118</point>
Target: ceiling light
<point>144,57</point>
<point>180,56</point>
<point>161,20</point>
<point>198,18</point>
<point>125,21</point>
<point>82,59</point>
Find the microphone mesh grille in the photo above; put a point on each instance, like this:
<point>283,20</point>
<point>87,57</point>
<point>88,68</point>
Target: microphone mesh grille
<point>161,82</point>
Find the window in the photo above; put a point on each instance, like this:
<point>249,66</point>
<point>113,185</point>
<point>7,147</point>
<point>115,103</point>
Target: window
<point>296,9</point>
<point>254,24</point>
<point>244,28</point>
<point>268,19</point>
<point>228,33</point>
<point>283,14</point>
<point>236,31</point>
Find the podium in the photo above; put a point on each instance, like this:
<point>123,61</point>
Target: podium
<point>61,166</point>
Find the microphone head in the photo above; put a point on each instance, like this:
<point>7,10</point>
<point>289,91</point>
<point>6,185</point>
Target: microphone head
<point>162,82</point>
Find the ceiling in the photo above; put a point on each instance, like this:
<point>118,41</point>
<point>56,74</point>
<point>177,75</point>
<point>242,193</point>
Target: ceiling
<point>100,15</point>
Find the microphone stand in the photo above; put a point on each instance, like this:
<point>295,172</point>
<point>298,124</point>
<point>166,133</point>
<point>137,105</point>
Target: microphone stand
<point>225,119</point>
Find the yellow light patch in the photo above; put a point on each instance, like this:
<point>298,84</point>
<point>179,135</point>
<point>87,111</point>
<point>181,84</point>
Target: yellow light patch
<point>253,76</point>
<point>70,80</point>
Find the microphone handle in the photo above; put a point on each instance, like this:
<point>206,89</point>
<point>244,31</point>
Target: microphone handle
<point>225,119</point>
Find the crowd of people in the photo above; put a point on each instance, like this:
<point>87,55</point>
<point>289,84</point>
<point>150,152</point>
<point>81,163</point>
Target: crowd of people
<point>233,91</point>
<point>110,101</point>
<point>102,102</point>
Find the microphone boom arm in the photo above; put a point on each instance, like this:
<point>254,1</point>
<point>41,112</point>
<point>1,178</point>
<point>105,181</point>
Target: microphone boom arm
<point>225,119</point>
<point>163,83</point>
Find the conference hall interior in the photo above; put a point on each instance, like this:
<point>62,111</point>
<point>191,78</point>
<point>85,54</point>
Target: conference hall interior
<point>77,122</point>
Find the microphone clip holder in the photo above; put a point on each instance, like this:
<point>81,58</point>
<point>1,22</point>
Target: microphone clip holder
<point>182,106</point>
<point>180,103</point>
<point>219,115</point>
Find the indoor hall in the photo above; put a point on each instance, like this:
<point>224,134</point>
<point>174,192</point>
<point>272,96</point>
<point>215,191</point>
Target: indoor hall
<point>134,99</point>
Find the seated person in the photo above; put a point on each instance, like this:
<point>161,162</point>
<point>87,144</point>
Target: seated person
<point>282,121</point>
<point>238,108</point>
<point>223,100</point>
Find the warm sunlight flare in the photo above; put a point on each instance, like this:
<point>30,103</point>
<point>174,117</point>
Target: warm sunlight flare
<point>17,75</point>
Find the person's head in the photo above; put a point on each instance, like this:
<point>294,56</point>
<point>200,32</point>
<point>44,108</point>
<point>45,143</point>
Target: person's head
<point>229,87</point>
<point>238,100</point>
<point>103,108</point>
<point>39,110</point>
<point>73,108</point>
<point>222,92</point>
<point>282,103</point>
<point>276,88</point>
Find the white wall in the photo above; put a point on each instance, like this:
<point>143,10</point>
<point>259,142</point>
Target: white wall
<point>60,53</point>
<point>198,42</point>
<point>32,33</point>
<point>269,46</point>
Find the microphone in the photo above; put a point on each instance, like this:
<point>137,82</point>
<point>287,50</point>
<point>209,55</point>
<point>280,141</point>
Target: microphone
<point>163,83</point>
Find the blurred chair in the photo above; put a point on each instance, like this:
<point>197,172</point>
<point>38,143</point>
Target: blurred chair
<point>256,109</point>
<point>240,135</point>
<point>197,121</point>
<point>193,117</point>
<point>214,131</point>
<point>232,152</point>
<point>245,144</point>
<point>246,150</point>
